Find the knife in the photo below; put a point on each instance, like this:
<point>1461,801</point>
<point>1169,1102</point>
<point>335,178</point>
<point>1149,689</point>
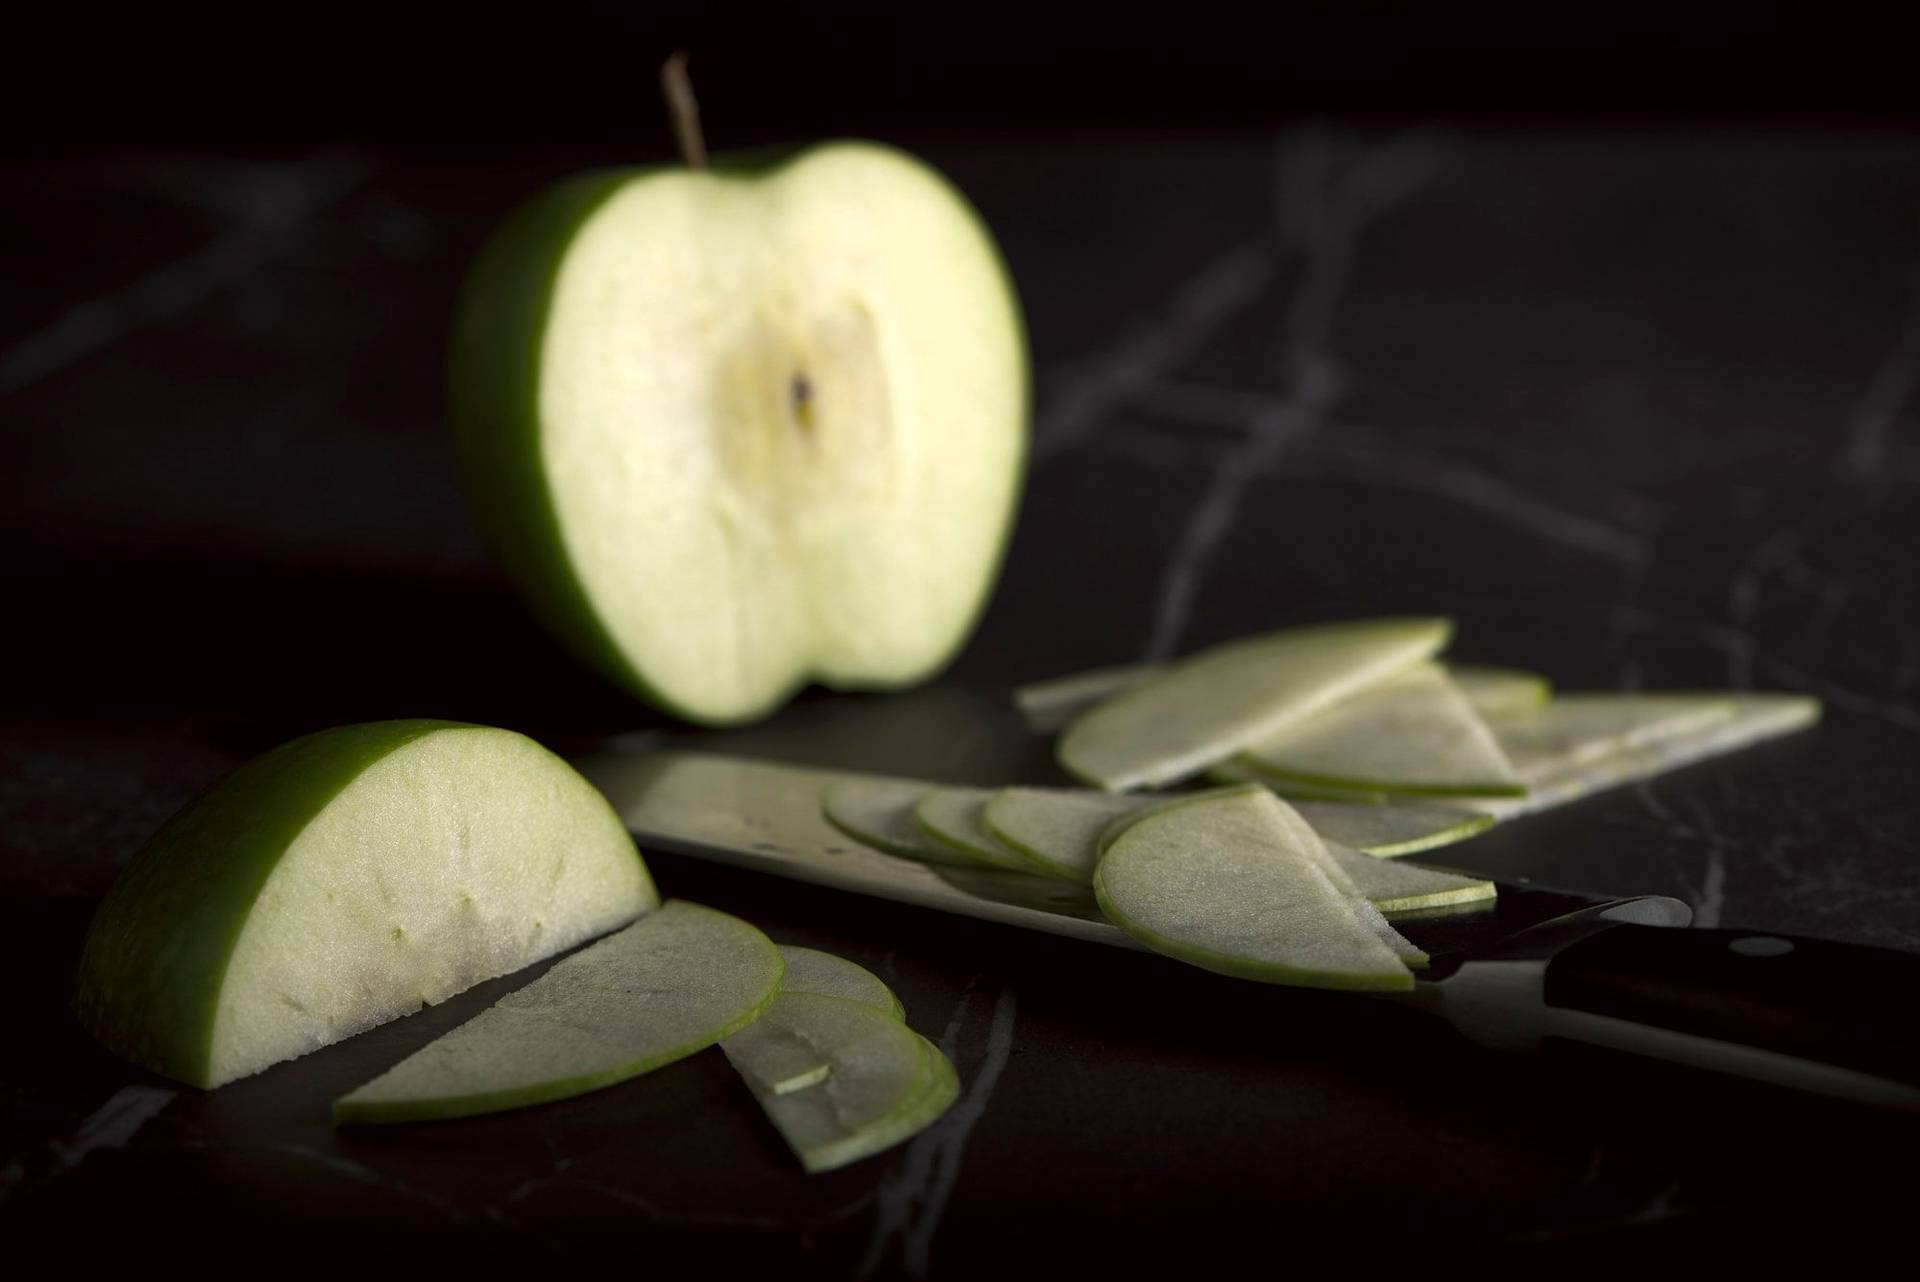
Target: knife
<point>1535,967</point>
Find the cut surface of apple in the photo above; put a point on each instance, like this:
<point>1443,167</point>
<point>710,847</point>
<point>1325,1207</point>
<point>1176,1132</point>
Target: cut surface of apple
<point>1058,828</point>
<point>675,982</point>
<point>952,817</point>
<point>1218,702</point>
<point>343,880</point>
<point>1575,729</point>
<point>1228,882</point>
<point>811,971</point>
<point>886,1083</point>
<point>1500,692</point>
<point>1412,733</point>
<point>880,813</point>
<point>733,430</point>
<point>1393,828</point>
<point>1754,718</point>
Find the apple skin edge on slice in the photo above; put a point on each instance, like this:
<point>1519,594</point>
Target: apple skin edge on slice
<point>1414,733</point>
<point>1227,883</point>
<point>886,1083</point>
<point>343,880</point>
<point>777,1060</point>
<point>880,813</point>
<point>678,980</point>
<point>1213,704</point>
<point>736,429</point>
<point>954,818</point>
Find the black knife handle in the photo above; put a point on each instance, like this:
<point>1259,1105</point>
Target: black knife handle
<point>1848,1007</point>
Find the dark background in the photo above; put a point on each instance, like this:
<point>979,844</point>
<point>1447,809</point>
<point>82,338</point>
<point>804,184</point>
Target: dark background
<point>517,72</point>
<point>1622,376</point>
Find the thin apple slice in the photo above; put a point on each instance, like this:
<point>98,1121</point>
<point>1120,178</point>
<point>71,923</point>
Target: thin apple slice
<point>1397,889</point>
<point>680,979</point>
<point>1229,882</point>
<point>879,813</point>
<point>886,1083</point>
<point>1049,705</point>
<point>345,879</point>
<point>951,817</point>
<point>1500,692</point>
<point>1058,828</point>
<point>1755,717</point>
<point>1412,733</point>
<point>778,1063</point>
<point>1218,702</point>
<point>1577,729</point>
<point>1236,770</point>
<point>811,971</point>
<point>1392,829</point>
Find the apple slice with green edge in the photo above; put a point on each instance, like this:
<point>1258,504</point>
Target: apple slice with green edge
<point>811,971</point>
<point>953,817</point>
<point>1500,692</point>
<point>1756,717</point>
<point>775,1062</point>
<point>737,428</point>
<point>1576,729</point>
<point>1232,882</point>
<point>343,880</point>
<point>1213,704</point>
<point>675,982</point>
<point>1413,733</point>
<point>1058,828</point>
<point>880,813</point>
<point>1393,829</point>
<point>886,1083</point>
<point>1049,705</point>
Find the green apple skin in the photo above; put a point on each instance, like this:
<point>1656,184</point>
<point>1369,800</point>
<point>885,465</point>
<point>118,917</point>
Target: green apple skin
<point>493,399</point>
<point>161,945</point>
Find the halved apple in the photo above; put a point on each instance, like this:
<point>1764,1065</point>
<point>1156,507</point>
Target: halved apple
<point>732,430</point>
<point>345,879</point>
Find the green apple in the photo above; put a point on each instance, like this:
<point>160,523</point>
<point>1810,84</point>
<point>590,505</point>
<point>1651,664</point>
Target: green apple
<point>1413,733</point>
<point>1049,705</point>
<point>1392,829</point>
<point>732,430</point>
<point>1500,692</point>
<point>1218,702</point>
<point>953,818</point>
<point>1058,828</point>
<point>886,1083</point>
<point>1575,729</point>
<point>776,1062</point>
<point>343,880</point>
<point>811,971</point>
<point>880,813</point>
<point>675,982</point>
<point>1234,882</point>
<point>1567,776</point>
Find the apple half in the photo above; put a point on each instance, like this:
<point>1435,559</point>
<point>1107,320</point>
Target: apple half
<point>736,429</point>
<point>345,879</point>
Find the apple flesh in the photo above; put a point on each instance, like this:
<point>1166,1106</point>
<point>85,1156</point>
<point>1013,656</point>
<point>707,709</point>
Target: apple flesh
<point>732,430</point>
<point>345,879</point>
<point>1413,733</point>
<point>675,982</point>
<point>885,1083</point>
<point>880,813</point>
<point>1234,883</point>
<point>811,971</point>
<point>953,817</point>
<point>1213,704</point>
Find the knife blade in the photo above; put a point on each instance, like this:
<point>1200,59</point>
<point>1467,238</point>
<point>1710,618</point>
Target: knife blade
<point>1535,966</point>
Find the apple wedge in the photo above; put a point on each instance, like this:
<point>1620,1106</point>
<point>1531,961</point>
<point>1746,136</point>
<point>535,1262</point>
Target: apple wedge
<point>885,1083</point>
<point>953,817</point>
<point>1233,882</point>
<point>1414,733</point>
<point>345,879</point>
<point>880,813</point>
<point>675,982</point>
<point>736,429</point>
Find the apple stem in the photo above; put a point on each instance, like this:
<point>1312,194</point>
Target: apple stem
<point>684,109</point>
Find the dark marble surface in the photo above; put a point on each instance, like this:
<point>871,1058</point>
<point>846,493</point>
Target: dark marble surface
<point>1637,411</point>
